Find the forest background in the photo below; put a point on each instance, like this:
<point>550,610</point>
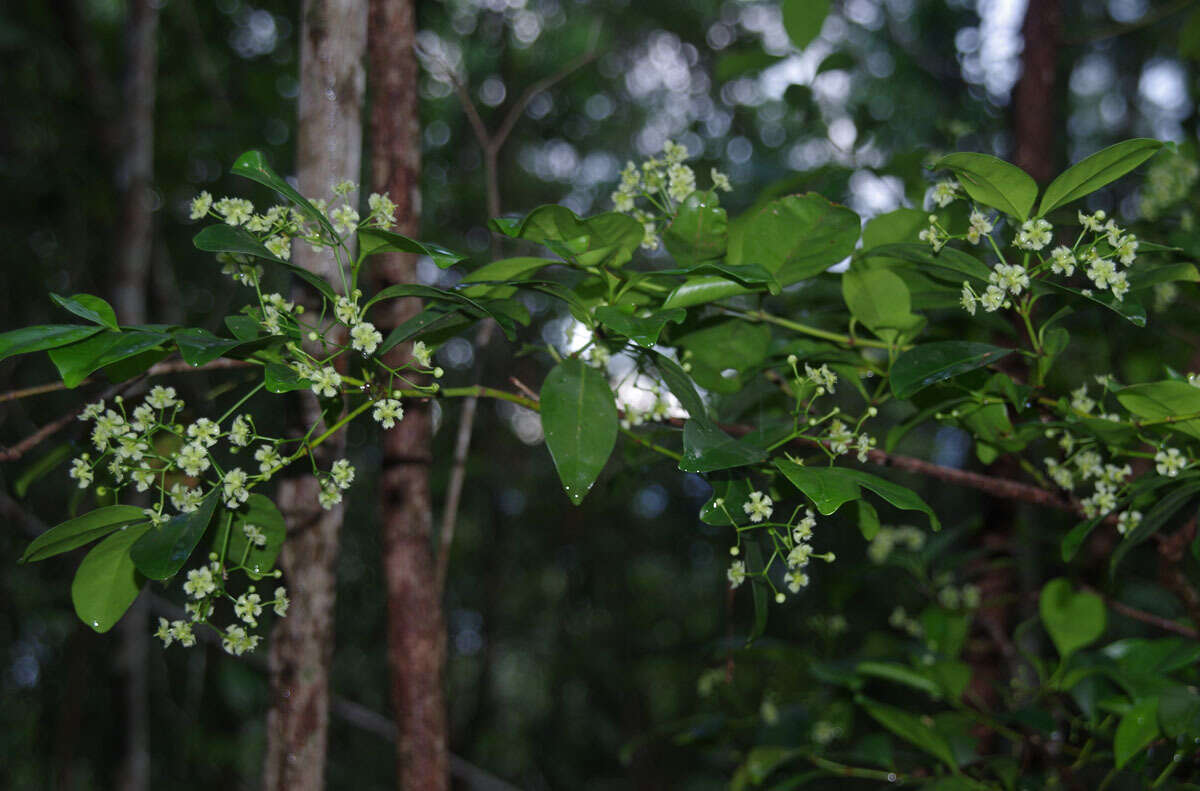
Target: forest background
<point>576,636</point>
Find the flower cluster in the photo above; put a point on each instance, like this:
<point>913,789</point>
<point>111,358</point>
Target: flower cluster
<point>791,543</point>
<point>664,183</point>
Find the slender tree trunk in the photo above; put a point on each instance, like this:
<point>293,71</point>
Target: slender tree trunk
<point>329,150</point>
<point>1035,117</point>
<point>135,236</point>
<point>416,632</point>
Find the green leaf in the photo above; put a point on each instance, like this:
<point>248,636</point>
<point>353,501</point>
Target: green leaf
<point>642,330</point>
<point>1163,509</point>
<point>491,276</point>
<point>899,496</point>
<point>280,378</point>
<point>948,264</point>
<point>912,730</point>
<point>377,240</point>
<point>45,463</point>
<point>91,308</point>
<point>199,346</point>
<point>1101,168</point>
<point>802,19</point>
<point>1137,729</point>
<point>262,513</point>
<point>901,226</point>
<point>879,299</point>
<point>680,384</point>
<point>707,448</point>
<point>253,165</point>
<point>230,239</point>
<point>929,363</point>
<point>1129,308</point>
<point>901,674</point>
<point>81,530</point>
<point>722,353</point>
<point>431,319</point>
<point>76,361</point>
<point>1074,539</point>
<point>438,295</point>
<point>1179,712</point>
<point>829,488</point>
<point>1072,619</point>
<point>735,494</point>
<point>701,289</point>
<point>579,420</point>
<point>750,276</point>
<point>1189,36</point>
<point>868,520</point>
<point>608,239</point>
<point>106,582</point>
<point>700,230</point>
<point>993,182</point>
<point>162,551</point>
<point>244,328</point>
<point>40,338</point>
<point>1166,399</point>
<point>798,236</point>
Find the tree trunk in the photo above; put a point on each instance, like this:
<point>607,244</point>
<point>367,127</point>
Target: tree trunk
<point>416,633</point>
<point>134,239</point>
<point>1035,116</point>
<point>329,150</point>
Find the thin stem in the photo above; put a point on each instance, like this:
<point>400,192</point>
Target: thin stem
<point>816,332</point>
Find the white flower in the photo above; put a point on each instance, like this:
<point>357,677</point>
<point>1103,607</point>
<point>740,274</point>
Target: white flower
<point>254,535</point>
<point>281,601</point>
<point>934,234</point>
<point>840,437</point>
<point>1062,261</point>
<point>1033,235</point>
<point>326,382</point>
<point>736,573</point>
<point>182,630</point>
<point>821,377</point>
<point>968,299</point>
<point>992,299</point>
<point>758,507</point>
<point>1088,464</point>
<point>240,433</point>
<point>200,583</point>
<point>681,181</point>
<point>342,473</point>
<point>802,531</point>
<point>204,432</point>
<point>144,479</point>
<point>156,516</point>
<point>346,309</point>
<point>81,470</point>
<point>795,580</point>
<point>1011,277</point>
<point>1119,285</point>
<point>235,641</point>
<point>267,457</point>
<point>388,412</point>
<point>329,496</point>
<point>944,193</point>
<point>799,556</point>
<point>720,181</point>
<point>1059,473</point>
<point>1128,520</point>
<point>865,443</point>
<point>200,206</point>
<point>422,353</point>
<point>1101,271</point>
<point>1169,461</point>
<point>279,246</point>
<point>234,487</point>
<point>235,210</point>
<point>1126,249</point>
<point>248,607</point>
<point>94,410</point>
<point>980,227</point>
<point>184,499</point>
<point>383,211</point>
<point>1093,222</point>
<point>192,458</point>
<point>143,418</point>
<point>164,632</point>
<point>365,338</point>
<point>1081,401</point>
<point>344,218</point>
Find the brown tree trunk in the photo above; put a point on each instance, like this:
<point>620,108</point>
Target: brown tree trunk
<point>329,150</point>
<point>416,633</point>
<point>134,239</point>
<point>1035,116</point>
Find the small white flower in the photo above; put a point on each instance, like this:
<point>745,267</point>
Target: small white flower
<point>422,354</point>
<point>162,397</point>
<point>1169,462</point>
<point>1128,520</point>
<point>1033,235</point>
<point>383,211</point>
<point>248,607</point>
<point>992,299</point>
<point>758,507</point>
<point>255,535</point>
<point>144,479</point>
<point>267,458</point>
<point>795,580</point>
<point>234,487</point>
<point>342,473</point>
<point>200,206</point>
<point>281,601</point>
<point>192,458</point>
<point>388,412</point>
<point>164,632</point>
<point>326,382</point>
<point>235,210</point>
<point>344,218</point>
<point>1062,261</point>
<point>329,496</point>
<point>736,573</point>
<point>720,181</point>
<point>200,583</point>
<point>802,531</point>
<point>365,338</point>
<point>980,227</point>
<point>944,193</point>
<point>184,499</point>
<point>279,246</point>
<point>81,471</point>
<point>241,432</point>
<point>821,377</point>
<point>204,432</point>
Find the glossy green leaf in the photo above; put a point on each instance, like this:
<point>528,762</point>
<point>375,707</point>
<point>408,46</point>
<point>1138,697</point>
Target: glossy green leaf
<point>879,299</point>
<point>700,230</point>
<point>929,363</point>
<point>439,295</point>
<point>900,226</point>
<point>901,674</point>
<point>1072,619</point>
<point>377,240</point>
<point>868,520</point>
<point>579,420</point>
<point>706,448</point>
<point>237,240</point>
<point>1128,308</point>
<point>491,276</point>
<point>945,630</point>
<point>260,512</point>
<point>734,494</point>
<point>244,328</point>
<point>106,582</point>
<point>431,319</point>
<point>723,354</point>
<point>802,19</point>
<point>611,238</point>
<point>1136,730</point>
<point>163,550</point>
<point>702,289</point>
<point>280,378</point>
<point>681,386</point>
<point>1101,168</point>
<point>199,346</point>
<point>948,263</point>
<point>1166,399</point>
<point>76,361</point>
<point>642,330</point>
<point>799,236</point>
<point>253,165</point>
<point>81,530</point>
<point>899,496</point>
<point>993,182</point>
<point>829,488</point>
<point>91,308</point>
<point>41,338</point>
<point>911,729</point>
<point>751,276</point>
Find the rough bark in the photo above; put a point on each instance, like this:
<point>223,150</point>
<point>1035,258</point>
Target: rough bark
<point>416,633</point>
<point>329,149</point>
<point>1035,117</point>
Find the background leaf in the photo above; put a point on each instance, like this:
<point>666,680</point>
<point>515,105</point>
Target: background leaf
<point>1072,619</point>
<point>81,530</point>
<point>1092,173</point>
<point>579,420</point>
<point>993,182</point>
<point>106,582</point>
